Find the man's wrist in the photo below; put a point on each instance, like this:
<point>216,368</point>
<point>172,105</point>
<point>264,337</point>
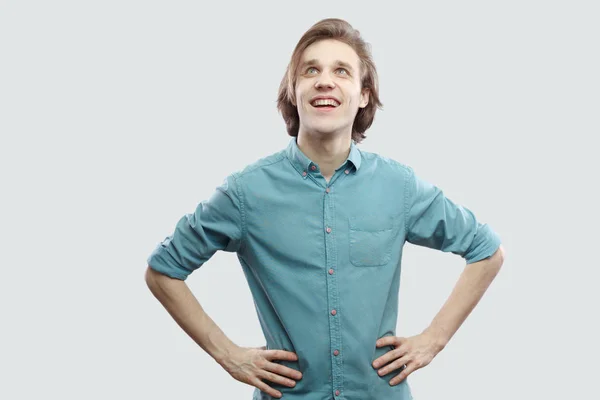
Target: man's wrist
<point>222,354</point>
<point>440,339</point>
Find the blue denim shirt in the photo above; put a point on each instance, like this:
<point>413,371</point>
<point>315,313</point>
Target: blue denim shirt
<point>323,260</point>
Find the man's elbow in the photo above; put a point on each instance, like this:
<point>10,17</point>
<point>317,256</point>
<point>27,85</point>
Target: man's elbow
<point>501,253</point>
<point>498,256</point>
<point>156,279</point>
<point>152,277</point>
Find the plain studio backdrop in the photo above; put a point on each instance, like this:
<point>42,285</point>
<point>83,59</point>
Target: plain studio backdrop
<point>119,117</point>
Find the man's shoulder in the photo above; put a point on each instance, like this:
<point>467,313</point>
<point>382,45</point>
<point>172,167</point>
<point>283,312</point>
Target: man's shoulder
<point>382,162</point>
<point>266,161</point>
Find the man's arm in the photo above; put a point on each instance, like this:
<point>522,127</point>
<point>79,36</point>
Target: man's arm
<point>182,305</point>
<point>472,284</point>
<point>252,366</point>
<point>216,224</point>
<point>417,351</point>
<point>434,221</point>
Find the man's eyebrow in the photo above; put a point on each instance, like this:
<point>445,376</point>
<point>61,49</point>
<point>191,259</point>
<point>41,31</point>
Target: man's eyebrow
<point>309,63</point>
<point>345,65</point>
<point>314,61</point>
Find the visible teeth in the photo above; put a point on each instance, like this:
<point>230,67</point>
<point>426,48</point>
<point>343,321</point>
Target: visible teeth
<point>325,102</point>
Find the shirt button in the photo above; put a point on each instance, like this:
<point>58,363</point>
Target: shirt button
<point>331,271</point>
<point>313,167</point>
<point>337,392</point>
<point>347,171</point>
<point>328,230</point>
<point>327,190</point>
<point>333,312</point>
<point>336,352</point>
<point>304,173</point>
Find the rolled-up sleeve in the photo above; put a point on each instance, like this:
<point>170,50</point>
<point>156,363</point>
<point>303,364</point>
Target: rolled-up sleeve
<point>434,221</point>
<point>216,224</point>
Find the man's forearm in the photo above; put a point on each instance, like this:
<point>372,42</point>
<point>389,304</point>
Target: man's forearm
<point>185,309</point>
<point>472,284</point>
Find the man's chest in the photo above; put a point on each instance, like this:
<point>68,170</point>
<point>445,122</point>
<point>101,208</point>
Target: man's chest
<point>309,226</point>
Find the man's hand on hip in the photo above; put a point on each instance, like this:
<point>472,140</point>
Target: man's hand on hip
<point>251,365</point>
<point>415,352</point>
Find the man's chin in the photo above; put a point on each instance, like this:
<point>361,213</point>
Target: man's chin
<point>326,129</point>
<point>322,132</point>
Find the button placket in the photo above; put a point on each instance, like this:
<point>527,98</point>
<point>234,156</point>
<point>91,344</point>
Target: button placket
<point>332,291</point>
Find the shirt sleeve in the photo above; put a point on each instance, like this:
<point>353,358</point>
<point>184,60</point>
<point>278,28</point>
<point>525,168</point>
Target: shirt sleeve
<point>216,224</point>
<point>434,221</point>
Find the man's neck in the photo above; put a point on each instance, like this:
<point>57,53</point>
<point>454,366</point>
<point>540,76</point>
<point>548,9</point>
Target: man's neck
<point>328,151</point>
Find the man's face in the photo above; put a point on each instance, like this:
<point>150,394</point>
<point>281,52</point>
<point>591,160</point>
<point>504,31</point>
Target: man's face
<point>329,69</point>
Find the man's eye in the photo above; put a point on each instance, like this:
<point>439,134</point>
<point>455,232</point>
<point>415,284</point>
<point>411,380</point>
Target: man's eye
<point>313,70</point>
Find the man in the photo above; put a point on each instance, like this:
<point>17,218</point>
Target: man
<point>319,229</point>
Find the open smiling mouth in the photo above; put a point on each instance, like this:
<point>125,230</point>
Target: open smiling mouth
<point>325,104</point>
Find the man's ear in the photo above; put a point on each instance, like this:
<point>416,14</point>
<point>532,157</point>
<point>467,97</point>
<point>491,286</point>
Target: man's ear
<point>364,98</point>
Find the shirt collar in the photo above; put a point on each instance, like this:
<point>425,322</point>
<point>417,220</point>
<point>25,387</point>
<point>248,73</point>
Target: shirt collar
<point>303,164</point>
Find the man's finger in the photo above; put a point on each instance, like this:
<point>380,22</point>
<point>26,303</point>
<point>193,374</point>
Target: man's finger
<point>389,356</point>
<point>410,367</point>
<point>389,340</point>
<point>280,355</point>
<point>283,370</point>
<point>276,378</point>
<point>266,388</point>
<point>397,364</point>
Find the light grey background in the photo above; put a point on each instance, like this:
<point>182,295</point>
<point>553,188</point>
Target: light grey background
<point>118,117</point>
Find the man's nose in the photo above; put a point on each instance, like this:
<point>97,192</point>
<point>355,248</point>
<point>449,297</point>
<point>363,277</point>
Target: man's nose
<point>324,81</point>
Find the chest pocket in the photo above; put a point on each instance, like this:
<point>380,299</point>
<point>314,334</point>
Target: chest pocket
<point>371,239</point>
